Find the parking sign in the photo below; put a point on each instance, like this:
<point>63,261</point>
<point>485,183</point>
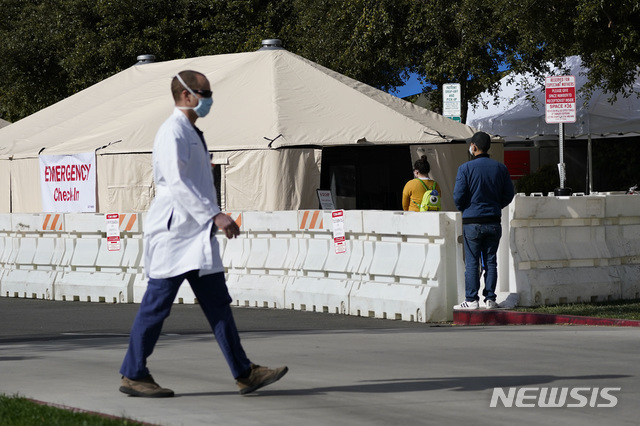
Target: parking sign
<point>560,99</point>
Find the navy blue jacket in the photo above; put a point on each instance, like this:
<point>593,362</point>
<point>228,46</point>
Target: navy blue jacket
<point>483,188</point>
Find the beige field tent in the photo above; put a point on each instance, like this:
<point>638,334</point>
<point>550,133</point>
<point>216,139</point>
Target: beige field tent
<point>273,114</point>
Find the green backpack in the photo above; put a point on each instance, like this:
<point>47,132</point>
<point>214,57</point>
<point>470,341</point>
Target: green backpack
<point>430,199</point>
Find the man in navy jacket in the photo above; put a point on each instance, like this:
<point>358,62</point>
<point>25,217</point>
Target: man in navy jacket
<point>483,188</point>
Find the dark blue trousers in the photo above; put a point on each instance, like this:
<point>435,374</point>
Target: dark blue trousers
<point>481,243</point>
<point>213,297</point>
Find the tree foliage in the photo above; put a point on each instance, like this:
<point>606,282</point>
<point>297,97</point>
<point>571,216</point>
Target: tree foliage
<point>471,41</point>
<point>54,48</point>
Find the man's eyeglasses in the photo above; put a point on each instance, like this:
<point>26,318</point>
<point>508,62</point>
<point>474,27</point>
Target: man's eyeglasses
<point>204,93</point>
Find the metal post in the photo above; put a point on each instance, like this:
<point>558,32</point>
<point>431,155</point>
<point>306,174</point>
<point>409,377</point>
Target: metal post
<point>561,169</point>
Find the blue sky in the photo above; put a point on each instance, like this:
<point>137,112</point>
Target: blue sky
<point>411,87</point>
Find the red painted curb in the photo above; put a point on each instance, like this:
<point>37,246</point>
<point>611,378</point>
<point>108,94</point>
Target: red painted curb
<point>500,317</point>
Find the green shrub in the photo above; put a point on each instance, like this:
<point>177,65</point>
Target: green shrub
<point>544,180</point>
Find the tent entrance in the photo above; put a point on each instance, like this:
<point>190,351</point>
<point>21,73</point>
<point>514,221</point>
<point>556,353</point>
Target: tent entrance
<point>366,177</point>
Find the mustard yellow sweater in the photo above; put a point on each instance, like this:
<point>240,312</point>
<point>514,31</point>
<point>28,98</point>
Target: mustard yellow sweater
<point>413,192</point>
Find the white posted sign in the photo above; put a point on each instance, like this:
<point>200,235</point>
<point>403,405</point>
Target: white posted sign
<point>68,183</point>
<point>451,100</point>
<point>560,99</point>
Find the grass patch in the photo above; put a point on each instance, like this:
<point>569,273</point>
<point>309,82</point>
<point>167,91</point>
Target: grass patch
<point>18,411</point>
<point>621,309</point>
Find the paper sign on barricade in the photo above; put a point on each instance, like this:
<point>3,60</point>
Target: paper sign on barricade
<point>325,198</point>
<point>339,241</point>
<point>113,232</point>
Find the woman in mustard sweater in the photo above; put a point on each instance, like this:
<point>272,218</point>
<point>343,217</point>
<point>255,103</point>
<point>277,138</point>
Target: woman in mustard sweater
<point>415,188</point>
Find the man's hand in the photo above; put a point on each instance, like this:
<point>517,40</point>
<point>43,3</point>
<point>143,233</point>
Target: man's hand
<point>227,225</point>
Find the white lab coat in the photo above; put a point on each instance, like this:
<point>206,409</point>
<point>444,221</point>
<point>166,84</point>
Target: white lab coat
<point>177,229</point>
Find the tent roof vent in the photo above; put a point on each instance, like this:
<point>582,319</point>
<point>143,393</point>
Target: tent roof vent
<point>271,44</point>
<point>145,59</point>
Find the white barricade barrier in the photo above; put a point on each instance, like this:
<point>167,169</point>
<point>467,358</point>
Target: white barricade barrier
<point>411,262</point>
<point>93,287</point>
<point>277,255</point>
<point>85,253</point>
<point>66,257</point>
<point>403,265</point>
<point>26,252</point>
<point>5,222</point>
<point>6,247</point>
<point>316,257</point>
<point>3,267</point>
<point>28,284</point>
<point>390,301</point>
<point>344,268</point>
<point>82,223</point>
<point>271,222</point>
<point>49,252</point>
<point>96,274</point>
<point>340,265</point>
<point>385,259</point>
<point>323,283</point>
<point>405,278</point>
<point>236,253</point>
<point>132,254</point>
<point>258,252</point>
<point>30,271</point>
<point>23,280</point>
<point>11,247</point>
<point>139,287</point>
<point>260,291</point>
<point>575,249</point>
<point>258,262</point>
<point>328,295</point>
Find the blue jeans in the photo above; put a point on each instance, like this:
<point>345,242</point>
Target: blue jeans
<point>481,245</point>
<point>213,297</point>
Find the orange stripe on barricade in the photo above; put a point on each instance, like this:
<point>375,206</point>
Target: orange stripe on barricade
<point>130,219</point>
<point>54,225</point>
<point>312,217</point>
<point>237,218</point>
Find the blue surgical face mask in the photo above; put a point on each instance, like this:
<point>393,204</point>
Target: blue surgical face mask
<point>203,107</point>
<point>204,104</point>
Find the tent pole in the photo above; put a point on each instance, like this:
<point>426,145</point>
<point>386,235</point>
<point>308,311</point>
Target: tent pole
<point>589,166</point>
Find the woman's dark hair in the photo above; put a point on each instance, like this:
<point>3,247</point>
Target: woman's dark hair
<point>422,165</point>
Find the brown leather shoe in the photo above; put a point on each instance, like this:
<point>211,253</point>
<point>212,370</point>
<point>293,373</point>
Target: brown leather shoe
<point>146,387</point>
<point>259,377</point>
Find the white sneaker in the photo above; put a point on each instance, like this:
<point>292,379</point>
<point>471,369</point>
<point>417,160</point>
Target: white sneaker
<point>491,304</point>
<point>467,306</point>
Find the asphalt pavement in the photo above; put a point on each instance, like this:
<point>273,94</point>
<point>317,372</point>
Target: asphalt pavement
<point>343,370</point>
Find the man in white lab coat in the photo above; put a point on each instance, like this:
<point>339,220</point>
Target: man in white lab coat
<point>180,243</point>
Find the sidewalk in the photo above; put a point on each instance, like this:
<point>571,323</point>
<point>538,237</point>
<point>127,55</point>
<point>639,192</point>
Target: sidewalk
<point>343,370</point>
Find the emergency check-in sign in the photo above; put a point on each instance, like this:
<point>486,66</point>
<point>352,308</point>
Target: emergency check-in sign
<point>68,183</point>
